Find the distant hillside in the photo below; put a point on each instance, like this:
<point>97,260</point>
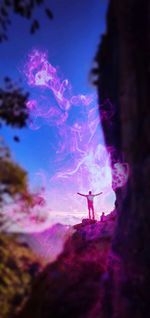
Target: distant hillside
<point>49,243</point>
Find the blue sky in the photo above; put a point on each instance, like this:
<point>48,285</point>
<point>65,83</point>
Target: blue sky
<point>71,40</point>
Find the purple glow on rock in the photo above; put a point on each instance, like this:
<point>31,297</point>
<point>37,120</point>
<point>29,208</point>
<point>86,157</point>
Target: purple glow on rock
<point>120,174</point>
<point>83,162</point>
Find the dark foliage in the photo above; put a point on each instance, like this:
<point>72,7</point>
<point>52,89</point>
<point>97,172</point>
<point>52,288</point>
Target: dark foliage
<point>13,179</point>
<point>13,105</point>
<point>23,8</point>
<point>18,268</point>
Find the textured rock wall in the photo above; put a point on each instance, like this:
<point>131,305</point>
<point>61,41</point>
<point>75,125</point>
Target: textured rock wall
<point>72,285</point>
<point>124,78</point>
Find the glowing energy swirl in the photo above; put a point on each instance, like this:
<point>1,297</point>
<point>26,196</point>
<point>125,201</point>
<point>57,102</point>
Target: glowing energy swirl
<point>82,161</point>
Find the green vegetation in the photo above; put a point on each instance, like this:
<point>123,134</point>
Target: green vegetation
<point>13,179</point>
<point>18,267</point>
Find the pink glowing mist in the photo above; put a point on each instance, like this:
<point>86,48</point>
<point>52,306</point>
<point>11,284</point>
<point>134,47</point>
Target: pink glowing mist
<point>82,162</point>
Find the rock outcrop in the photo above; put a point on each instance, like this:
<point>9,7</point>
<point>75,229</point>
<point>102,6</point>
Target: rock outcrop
<point>124,78</point>
<point>72,285</point>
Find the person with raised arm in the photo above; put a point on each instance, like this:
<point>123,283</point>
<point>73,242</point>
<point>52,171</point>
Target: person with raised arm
<point>90,202</point>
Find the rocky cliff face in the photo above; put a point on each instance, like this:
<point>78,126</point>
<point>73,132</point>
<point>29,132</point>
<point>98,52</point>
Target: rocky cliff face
<point>73,285</point>
<point>124,78</point>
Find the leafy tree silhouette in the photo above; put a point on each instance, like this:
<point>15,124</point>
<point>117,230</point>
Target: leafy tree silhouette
<point>22,8</point>
<point>13,178</point>
<point>13,105</point>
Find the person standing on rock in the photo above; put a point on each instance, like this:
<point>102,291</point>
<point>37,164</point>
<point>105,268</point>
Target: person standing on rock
<point>90,202</point>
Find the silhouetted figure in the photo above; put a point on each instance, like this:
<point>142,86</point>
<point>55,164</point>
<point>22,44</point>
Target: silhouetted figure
<point>90,199</point>
<point>102,217</point>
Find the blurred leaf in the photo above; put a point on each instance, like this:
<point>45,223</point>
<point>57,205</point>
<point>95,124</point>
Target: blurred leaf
<point>16,138</point>
<point>49,13</point>
<point>36,23</point>
<point>7,79</point>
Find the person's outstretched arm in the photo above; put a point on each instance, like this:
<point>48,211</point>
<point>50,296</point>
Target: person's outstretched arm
<point>97,194</point>
<point>83,195</point>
